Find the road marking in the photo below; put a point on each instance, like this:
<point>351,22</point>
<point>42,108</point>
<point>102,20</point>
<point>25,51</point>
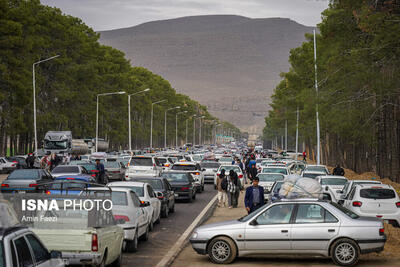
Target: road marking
<point>178,246</point>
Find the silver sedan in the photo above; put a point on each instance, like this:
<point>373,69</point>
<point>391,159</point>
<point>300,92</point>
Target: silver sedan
<point>303,226</point>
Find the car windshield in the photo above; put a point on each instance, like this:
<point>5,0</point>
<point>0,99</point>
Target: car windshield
<point>251,215</point>
<point>274,170</point>
<point>155,183</point>
<point>24,174</point>
<point>316,168</point>
<point>270,177</point>
<point>228,168</point>
<point>180,167</point>
<point>377,193</point>
<point>112,164</point>
<point>311,175</point>
<point>345,211</point>
<point>196,157</point>
<point>225,159</point>
<point>162,160</point>
<point>55,144</point>
<point>66,169</point>
<point>333,181</point>
<point>137,189</point>
<point>210,165</point>
<point>67,186</point>
<point>176,177</point>
<point>148,162</point>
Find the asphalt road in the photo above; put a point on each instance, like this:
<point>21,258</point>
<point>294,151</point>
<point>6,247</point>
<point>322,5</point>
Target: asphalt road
<point>165,234</point>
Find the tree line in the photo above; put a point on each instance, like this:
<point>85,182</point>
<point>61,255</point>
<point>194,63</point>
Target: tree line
<point>67,86</point>
<point>358,62</point>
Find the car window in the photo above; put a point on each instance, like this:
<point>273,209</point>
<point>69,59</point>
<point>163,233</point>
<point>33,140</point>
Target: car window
<point>119,198</point>
<point>155,183</point>
<point>274,170</point>
<point>23,253</point>
<point>112,164</point>
<point>333,181</point>
<point>176,177</point>
<point>141,162</point>
<point>139,190</point>
<point>278,214</point>
<point>377,193</point>
<point>66,169</point>
<point>270,177</point>
<point>180,167</point>
<point>40,253</point>
<point>312,213</point>
<point>135,199</point>
<point>349,213</point>
<point>210,165</point>
<point>351,195</point>
<point>24,174</point>
<point>151,192</point>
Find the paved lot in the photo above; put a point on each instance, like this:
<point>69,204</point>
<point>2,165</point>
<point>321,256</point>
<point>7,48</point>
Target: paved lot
<point>168,231</point>
<point>188,255</point>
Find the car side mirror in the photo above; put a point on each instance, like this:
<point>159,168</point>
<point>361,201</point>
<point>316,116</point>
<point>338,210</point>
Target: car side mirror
<point>120,221</point>
<point>159,194</point>
<point>55,254</point>
<point>144,204</point>
<point>326,188</point>
<point>341,202</point>
<point>203,170</point>
<point>254,223</point>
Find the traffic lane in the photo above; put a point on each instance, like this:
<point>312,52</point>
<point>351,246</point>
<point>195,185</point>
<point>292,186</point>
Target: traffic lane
<point>165,234</point>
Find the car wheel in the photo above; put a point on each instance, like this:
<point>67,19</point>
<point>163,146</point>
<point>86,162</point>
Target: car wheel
<point>145,236</point>
<point>132,245</point>
<point>151,224</point>
<point>172,210</point>
<point>202,188</point>
<point>118,261</point>
<point>345,252</point>
<point>222,250</point>
<point>159,218</point>
<point>165,212</point>
<point>194,196</point>
<point>190,199</point>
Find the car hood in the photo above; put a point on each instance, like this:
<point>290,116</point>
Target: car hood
<point>234,224</point>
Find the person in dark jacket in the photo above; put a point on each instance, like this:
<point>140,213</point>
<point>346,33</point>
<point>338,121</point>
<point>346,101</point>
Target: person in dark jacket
<point>233,189</point>
<point>254,197</point>
<point>253,172</point>
<point>338,170</point>
<point>100,168</point>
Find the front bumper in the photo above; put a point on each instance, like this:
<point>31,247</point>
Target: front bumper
<point>199,245</point>
<point>83,258</point>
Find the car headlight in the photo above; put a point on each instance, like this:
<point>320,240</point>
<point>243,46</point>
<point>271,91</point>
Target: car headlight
<point>194,236</point>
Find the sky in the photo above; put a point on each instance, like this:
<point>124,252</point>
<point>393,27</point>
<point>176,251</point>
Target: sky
<point>115,14</point>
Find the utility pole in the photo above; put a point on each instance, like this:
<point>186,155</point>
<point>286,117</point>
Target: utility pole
<point>297,132</point>
<point>316,89</point>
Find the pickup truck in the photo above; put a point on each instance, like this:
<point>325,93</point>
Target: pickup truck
<point>83,237</point>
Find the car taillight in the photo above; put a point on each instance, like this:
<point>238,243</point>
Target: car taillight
<point>15,162</point>
<point>95,243</point>
<point>161,196</point>
<point>398,204</point>
<point>196,173</point>
<point>118,217</point>
<point>70,178</point>
<point>95,171</point>
<point>48,192</point>
<point>166,165</point>
<point>12,165</point>
<point>381,231</point>
<point>5,185</point>
<point>240,175</point>
<point>32,185</point>
<point>357,203</point>
<point>93,175</point>
<point>184,188</point>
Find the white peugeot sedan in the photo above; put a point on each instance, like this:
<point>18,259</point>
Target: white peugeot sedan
<point>145,193</point>
<point>380,201</point>
<point>332,182</point>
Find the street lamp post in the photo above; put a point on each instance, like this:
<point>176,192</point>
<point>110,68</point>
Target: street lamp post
<point>316,89</point>
<point>194,129</point>
<point>176,126</point>
<point>151,121</point>
<point>200,141</point>
<point>165,125</point>
<point>34,97</point>
<point>129,116</point>
<point>97,112</point>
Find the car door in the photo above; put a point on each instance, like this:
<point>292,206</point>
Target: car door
<point>140,214</point>
<point>313,227</point>
<point>154,201</point>
<point>349,198</point>
<point>271,230</point>
<point>40,253</point>
<point>170,193</point>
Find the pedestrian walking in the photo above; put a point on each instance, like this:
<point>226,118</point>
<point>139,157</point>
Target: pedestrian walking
<point>233,189</point>
<point>304,156</point>
<point>100,168</point>
<point>254,197</point>
<point>243,167</point>
<point>222,185</point>
<point>30,161</point>
<point>338,170</point>
<point>253,172</point>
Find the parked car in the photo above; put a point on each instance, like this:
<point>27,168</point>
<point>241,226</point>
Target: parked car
<point>194,169</point>
<point>292,227</point>
<point>25,180</point>
<point>20,161</point>
<point>296,167</point>
<point>224,160</point>
<point>7,166</point>
<point>210,168</point>
<point>63,170</point>
<point>273,194</point>
<point>312,174</point>
<point>115,170</point>
<point>91,168</point>
<point>227,169</point>
<point>332,182</point>
<point>267,180</point>
<point>140,165</point>
<point>67,185</point>
<point>380,201</point>
<point>276,169</point>
<point>182,184</point>
<point>84,237</point>
<point>163,191</point>
<point>145,193</point>
<point>317,168</point>
<point>349,186</point>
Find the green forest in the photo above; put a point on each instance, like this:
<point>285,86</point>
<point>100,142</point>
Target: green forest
<point>358,67</point>
<point>67,86</point>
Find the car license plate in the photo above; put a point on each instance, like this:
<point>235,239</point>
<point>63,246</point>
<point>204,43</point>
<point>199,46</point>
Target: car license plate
<point>176,195</point>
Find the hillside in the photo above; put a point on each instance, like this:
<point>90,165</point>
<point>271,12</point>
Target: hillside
<point>231,64</point>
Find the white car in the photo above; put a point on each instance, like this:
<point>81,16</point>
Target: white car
<point>7,166</point>
<point>210,168</point>
<point>267,180</point>
<point>275,169</point>
<point>350,184</point>
<point>312,174</point>
<point>194,169</point>
<point>227,168</point>
<point>380,201</point>
<point>332,182</point>
<point>317,168</point>
<point>224,160</point>
<point>63,170</point>
<point>145,193</point>
<point>139,165</point>
<point>296,167</point>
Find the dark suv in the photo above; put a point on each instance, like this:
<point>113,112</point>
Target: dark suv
<point>182,183</point>
<point>163,191</point>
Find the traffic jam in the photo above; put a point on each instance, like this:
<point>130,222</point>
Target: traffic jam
<point>78,214</point>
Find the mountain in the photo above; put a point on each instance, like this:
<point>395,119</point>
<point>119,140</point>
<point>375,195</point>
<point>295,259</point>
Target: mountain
<point>229,63</point>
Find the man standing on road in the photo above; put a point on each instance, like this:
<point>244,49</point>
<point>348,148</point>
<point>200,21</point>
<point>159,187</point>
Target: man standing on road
<point>304,156</point>
<point>338,170</point>
<point>233,189</point>
<point>100,168</point>
<point>221,187</point>
<point>254,197</point>
<point>253,172</point>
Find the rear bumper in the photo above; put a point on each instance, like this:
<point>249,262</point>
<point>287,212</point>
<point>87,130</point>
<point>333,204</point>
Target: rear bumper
<point>371,245</point>
<point>89,258</point>
<point>209,178</point>
<point>182,195</point>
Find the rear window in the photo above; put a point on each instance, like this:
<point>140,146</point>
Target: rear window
<point>111,164</point>
<point>333,181</point>
<point>68,186</point>
<point>184,167</point>
<point>377,193</point>
<point>274,170</point>
<point>345,211</point>
<point>316,168</point>
<point>228,168</point>
<point>137,189</point>
<point>176,177</point>
<point>89,167</point>
<point>119,198</point>
<point>155,183</point>
<point>210,165</point>
<point>162,160</point>
<point>24,174</point>
<point>141,162</point>
<point>66,169</point>
<point>270,177</point>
